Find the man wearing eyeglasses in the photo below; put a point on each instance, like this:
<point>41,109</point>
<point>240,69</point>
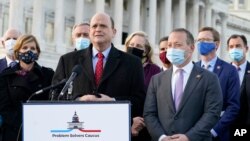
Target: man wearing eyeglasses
<point>208,42</point>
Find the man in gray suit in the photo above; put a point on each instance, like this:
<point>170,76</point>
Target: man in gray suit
<point>184,102</point>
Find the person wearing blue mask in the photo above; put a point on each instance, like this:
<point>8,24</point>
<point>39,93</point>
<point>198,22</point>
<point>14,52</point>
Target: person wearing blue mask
<point>184,102</point>
<point>208,42</point>
<point>80,36</point>
<point>237,49</point>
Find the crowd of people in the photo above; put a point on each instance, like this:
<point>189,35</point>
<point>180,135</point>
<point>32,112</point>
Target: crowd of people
<point>180,100</point>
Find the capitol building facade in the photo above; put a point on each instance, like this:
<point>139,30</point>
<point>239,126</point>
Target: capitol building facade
<point>51,21</point>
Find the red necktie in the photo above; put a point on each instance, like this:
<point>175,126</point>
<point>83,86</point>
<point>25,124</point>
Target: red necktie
<point>99,68</point>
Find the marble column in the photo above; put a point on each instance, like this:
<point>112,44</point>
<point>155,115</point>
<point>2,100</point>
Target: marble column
<point>135,16</point>
<point>208,14</point>
<point>118,18</point>
<point>152,21</point>
<point>223,47</point>
<point>79,11</point>
<point>168,17</point>
<point>236,4</point>
<point>100,5</point>
<point>16,15</point>
<point>59,26</point>
<point>195,24</point>
<point>182,19</point>
<point>38,26</point>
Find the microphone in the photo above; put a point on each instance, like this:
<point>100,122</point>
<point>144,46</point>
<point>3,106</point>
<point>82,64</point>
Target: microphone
<point>46,89</point>
<point>77,69</point>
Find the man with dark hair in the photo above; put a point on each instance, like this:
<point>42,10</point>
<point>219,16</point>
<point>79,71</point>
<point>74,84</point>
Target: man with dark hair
<point>237,49</point>
<point>163,44</point>
<point>184,102</point>
<point>208,43</point>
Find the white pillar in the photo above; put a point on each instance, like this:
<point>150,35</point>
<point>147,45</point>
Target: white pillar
<point>152,21</point>
<point>182,19</point>
<point>214,18</point>
<point>195,25</point>
<point>135,16</point>
<point>223,47</point>
<point>79,11</point>
<point>236,4</point>
<point>100,5</point>
<point>59,25</point>
<point>118,18</point>
<point>38,20</point>
<point>16,12</point>
<point>168,17</point>
<point>208,14</point>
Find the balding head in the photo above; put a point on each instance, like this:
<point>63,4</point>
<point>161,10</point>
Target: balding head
<point>102,31</point>
<point>11,33</point>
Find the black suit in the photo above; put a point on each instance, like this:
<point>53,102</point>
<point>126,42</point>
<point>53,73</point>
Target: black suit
<point>15,90</point>
<point>122,77</point>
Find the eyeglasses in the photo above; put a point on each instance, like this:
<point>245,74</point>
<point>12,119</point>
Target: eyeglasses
<point>205,40</point>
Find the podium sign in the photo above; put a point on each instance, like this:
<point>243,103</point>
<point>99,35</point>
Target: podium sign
<point>46,121</point>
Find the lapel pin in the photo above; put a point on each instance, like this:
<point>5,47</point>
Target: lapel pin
<point>198,76</point>
<point>218,67</point>
<point>248,71</point>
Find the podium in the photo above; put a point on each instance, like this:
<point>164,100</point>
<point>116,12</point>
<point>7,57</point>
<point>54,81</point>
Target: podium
<point>76,121</point>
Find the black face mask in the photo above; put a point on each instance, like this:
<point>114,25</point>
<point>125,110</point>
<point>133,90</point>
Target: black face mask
<point>27,57</point>
<point>135,51</point>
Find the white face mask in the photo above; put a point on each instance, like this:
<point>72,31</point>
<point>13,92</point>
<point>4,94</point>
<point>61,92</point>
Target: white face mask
<point>9,46</point>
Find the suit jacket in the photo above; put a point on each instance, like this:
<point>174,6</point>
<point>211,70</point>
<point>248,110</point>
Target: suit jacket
<point>198,111</point>
<point>3,64</point>
<point>16,89</point>
<point>244,115</point>
<point>122,78</point>
<point>230,85</point>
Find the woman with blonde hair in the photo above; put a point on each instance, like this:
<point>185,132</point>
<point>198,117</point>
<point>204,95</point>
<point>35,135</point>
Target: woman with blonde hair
<point>137,44</point>
<point>19,82</point>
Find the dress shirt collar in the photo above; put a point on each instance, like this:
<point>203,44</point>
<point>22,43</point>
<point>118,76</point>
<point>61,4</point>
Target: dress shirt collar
<point>187,69</point>
<point>242,66</point>
<point>211,62</point>
<point>105,52</point>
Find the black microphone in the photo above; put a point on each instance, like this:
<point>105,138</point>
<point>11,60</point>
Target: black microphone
<point>77,69</point>
<point>46,89</point>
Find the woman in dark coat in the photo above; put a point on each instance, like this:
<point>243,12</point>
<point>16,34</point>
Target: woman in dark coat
<point>18,83</point>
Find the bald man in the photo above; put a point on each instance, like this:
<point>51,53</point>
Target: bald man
<point>122,75</point>
<point>8,42</point>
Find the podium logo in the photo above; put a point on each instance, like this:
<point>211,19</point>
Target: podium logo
<point>75,124</point>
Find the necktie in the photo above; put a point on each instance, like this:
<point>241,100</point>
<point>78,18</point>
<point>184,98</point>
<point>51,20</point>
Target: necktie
<point>99,68</point>
<point>206,66</point>
<point>178,88</point>
<point>12,64</point>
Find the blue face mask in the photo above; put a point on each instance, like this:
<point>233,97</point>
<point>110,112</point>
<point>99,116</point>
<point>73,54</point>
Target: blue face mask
<point>236,54</point>
<point>82,43</point>
<point>176,56</point>
<point>205,48</point>
<point>27,57</point>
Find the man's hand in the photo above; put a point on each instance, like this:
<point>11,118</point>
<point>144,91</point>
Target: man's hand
<point>90,97</point>
<point>179,137</point>
<point>138,125</point>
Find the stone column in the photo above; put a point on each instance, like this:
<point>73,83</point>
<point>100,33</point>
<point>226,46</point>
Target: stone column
<point>152,21</point>
<point>16,12</point>
<point>168,17</point>
<point>38,26</point>
<point>59,26</point>
<point>223,47</point>
<point>236,4</point>
<point>195,24</point>
<point>135,16</point>
<point>118,18</point>
<point>182,13</point>
<point>100,5</point>
<point>208,17</point>
<point>79,12</point>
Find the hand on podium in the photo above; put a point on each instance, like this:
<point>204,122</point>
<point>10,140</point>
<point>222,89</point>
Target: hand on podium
<point>100,97</point>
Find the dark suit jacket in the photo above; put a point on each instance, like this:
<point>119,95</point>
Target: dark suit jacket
<point>16,89</point>
<point>230,85</point>
<point>198,112</point>
<point>122,78</point>
<point>3,64</point>
<point>244,115</point>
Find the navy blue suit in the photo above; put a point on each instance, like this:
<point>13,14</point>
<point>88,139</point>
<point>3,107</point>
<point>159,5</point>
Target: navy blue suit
<point>230,86</point>
<point>3,64</point>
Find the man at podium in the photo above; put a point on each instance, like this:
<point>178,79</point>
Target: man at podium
<point>108,73</point>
